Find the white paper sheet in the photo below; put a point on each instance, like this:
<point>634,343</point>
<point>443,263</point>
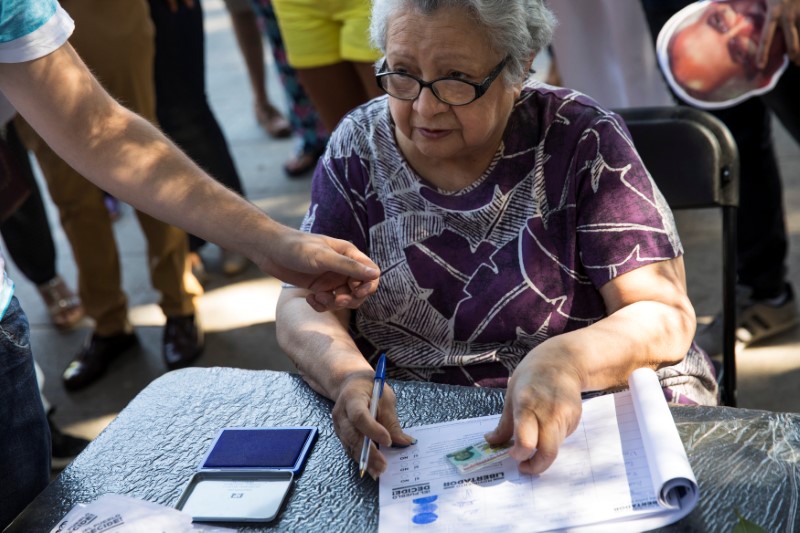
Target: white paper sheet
<point>601,476</point>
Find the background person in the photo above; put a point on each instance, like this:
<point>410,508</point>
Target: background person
<point>115,37</point>
<point>766,304</point>
<point>311,133</point>
<point>328,45</point>
<point>522,241</point>
<point>184,113</point>
<point>26,233</point>
<point>248,38</point>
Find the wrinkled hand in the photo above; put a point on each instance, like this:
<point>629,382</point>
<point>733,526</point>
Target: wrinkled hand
<point>542,406</point>
<point>337,273</point>
<point>785,13</point>
<point>352,420</point>
<point>173,4</point>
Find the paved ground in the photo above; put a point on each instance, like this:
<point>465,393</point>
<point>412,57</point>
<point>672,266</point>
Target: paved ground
<point>238,313</point>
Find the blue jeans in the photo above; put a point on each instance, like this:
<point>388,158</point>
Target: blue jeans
<point>24,433</point>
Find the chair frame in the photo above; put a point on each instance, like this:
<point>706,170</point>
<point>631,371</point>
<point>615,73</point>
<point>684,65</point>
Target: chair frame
<point>699,168</point>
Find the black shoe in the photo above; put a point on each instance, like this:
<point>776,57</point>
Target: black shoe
<point>183,341</point>
<point>95,356</point>
<point>65,447</point>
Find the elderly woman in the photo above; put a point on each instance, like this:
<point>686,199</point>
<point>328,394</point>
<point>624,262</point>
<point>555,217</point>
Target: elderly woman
<point>522,243</point>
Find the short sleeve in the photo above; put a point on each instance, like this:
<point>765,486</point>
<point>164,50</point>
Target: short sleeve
<point>623,221</point>
<point>30,29</point>
<point>338,193</point>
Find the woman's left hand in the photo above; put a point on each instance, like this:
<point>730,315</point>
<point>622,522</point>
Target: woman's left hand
<point>542,407</point>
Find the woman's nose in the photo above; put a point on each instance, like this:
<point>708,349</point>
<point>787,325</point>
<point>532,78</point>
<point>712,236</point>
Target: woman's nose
<point>427,104</point>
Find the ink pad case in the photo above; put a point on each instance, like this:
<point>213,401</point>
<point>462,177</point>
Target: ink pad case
<point>246,474</point>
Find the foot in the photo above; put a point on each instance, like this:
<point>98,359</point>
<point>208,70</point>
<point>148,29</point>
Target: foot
<point>94,358</point>
<point>63,305</point>
<point>273,122</point>
<point>198,268</point>
<point>301,163</point>
<point>64,447</point>
<point>183,341</point>
<point>233,263</point>
<point>756,320</point>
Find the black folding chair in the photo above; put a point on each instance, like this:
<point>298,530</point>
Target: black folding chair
<point>695,163</point>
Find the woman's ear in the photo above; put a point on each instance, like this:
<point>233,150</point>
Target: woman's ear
<point>528,70</point>
<point>529,64</point>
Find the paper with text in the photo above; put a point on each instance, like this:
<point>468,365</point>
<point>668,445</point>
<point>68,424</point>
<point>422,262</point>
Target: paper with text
<point>601,476</point>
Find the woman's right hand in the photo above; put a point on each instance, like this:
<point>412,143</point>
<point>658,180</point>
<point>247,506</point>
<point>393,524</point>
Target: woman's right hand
<point>352,420</point>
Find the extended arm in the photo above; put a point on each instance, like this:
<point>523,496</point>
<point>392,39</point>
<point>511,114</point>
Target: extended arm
<point>128,157</point>
<point>331,363</point>
<point>650,323</point>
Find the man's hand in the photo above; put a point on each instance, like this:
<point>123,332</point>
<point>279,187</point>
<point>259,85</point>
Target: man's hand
<point>786,15</point>
<point>337,273</point>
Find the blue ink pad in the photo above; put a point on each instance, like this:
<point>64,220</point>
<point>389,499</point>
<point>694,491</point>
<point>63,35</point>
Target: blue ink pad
<point>247,474</point>
<point>260,449</point>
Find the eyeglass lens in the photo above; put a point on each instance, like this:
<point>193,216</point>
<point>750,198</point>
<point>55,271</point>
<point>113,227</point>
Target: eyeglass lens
<point>408,88</point>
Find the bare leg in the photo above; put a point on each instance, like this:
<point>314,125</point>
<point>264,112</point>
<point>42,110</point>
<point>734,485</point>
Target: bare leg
<point>248,37</point>
<point>336,89</point>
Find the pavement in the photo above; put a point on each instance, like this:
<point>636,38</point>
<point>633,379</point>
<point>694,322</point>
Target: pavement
<point>238,313</point>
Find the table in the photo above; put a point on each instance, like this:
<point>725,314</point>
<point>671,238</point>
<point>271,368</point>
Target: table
<point>743,459</point>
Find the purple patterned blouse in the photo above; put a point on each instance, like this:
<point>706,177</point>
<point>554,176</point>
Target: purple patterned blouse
<point>473,280</point>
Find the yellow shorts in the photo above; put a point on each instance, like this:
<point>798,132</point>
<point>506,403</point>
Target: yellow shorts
<point>318,33</point>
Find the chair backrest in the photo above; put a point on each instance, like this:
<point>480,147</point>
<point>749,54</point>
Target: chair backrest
<point>695,163</point>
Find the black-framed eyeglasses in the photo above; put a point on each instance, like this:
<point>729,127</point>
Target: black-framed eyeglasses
<point>450,90</point>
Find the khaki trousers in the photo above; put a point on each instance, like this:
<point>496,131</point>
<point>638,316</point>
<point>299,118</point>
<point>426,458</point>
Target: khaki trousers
<point>115,39</point>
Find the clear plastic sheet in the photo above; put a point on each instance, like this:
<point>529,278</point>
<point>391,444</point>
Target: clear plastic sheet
<point>744,460</point>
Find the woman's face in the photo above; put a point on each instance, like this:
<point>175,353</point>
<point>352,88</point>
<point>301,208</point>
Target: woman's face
<point>446,43</point>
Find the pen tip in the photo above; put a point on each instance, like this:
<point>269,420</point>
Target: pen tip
<point>362,472</point>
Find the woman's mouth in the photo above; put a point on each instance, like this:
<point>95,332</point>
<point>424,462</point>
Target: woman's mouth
<point>432,133</point>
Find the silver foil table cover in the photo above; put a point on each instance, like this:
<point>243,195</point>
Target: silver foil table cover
<point>744,460</point>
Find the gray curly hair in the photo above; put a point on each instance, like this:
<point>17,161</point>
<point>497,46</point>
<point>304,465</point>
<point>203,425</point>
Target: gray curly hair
<point>517,28</point>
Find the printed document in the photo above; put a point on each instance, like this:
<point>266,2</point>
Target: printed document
<point>624,467</point>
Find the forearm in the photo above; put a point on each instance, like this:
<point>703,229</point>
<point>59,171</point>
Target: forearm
<point>125,155</point>
<point>318,343</point>
<point>642,334</point>
<point>149,172</point>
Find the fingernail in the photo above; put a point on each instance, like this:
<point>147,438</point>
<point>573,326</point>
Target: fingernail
<point>411,442</point>
<point>369,271</point>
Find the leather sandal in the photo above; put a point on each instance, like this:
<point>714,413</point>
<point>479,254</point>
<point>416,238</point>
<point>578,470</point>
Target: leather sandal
<point>273,122</point>
<point>301,163</point>
<point>63,305</point>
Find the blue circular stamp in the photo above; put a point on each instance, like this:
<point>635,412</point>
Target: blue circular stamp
<point>425,518</point>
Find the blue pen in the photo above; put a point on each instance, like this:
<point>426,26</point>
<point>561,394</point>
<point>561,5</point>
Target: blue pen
<point>377,392</point>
